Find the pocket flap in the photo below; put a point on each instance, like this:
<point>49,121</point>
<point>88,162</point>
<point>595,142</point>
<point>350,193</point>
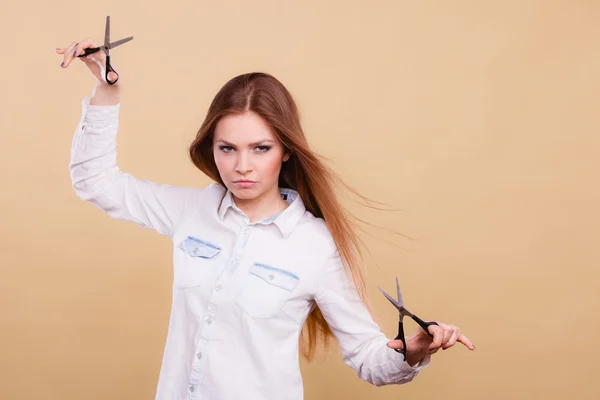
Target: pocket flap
<point>199,248</point>
<point>275,276</point>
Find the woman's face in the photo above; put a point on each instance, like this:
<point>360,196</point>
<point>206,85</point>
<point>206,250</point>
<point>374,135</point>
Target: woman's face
<point>246,148</point>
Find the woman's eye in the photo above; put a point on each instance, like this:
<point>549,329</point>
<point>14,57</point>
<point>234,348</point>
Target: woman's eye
<point>229,149</point>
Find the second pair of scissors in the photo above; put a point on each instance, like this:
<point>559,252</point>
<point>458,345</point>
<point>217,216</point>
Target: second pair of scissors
<point>399,304</point>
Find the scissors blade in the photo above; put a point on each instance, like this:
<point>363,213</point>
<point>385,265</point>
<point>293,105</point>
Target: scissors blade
<point>119,42</point>
<point>107,36</point>
<point>400,300</point>
<point>392,300</point>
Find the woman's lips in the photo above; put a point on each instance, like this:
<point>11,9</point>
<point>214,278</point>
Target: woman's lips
<point>245,184</point>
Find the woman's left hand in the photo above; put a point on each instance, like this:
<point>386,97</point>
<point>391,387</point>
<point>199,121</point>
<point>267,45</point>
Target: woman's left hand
<point>421,344</point>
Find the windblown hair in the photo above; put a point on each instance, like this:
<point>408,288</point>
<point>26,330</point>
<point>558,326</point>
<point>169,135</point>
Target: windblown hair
<point>304,172</point>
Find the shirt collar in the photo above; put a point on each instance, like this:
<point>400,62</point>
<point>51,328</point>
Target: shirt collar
<point>285,220</point>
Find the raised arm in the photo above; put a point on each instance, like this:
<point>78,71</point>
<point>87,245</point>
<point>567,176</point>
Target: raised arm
<point>364,346</point>
<point>96,177</point>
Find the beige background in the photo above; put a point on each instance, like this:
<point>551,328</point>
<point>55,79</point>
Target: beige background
<point>477,118</point>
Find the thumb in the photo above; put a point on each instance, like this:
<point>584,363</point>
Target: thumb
<point>395,344</point>
<point>112,76</point>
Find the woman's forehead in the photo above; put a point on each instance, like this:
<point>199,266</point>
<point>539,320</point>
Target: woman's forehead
<point>245,128</point>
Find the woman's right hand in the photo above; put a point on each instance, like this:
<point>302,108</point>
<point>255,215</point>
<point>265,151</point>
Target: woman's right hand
<point>95,62</point>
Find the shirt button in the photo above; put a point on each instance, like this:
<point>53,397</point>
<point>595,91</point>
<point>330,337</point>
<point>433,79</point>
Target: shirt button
<point>192,388</point>
<point>271,277</point>
<point>218,287</point>
<point>212,307</point>
<point>209,320</point>
<point>199,355</point>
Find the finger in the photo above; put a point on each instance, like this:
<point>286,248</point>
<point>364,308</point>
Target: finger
<point>65,52</point>
<point>112,76</point>
<point>452,340</point>
<point>62,50</point>
<point>438,336</point>
<point>463,339</point>
<point>448,332</point>
<point>84,44</point>
<point>76,49</point>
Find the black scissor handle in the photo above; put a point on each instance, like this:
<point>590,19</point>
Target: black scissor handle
<point>401,337</point>
<point>425,325</point>
<point>109,68</point>
<point>90,50</point>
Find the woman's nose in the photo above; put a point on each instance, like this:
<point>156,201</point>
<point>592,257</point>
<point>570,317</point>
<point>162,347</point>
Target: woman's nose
<point>243,164</point>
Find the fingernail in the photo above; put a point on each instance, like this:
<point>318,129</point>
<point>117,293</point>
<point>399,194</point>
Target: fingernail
<point>62,64</point>
<point>74,52</point>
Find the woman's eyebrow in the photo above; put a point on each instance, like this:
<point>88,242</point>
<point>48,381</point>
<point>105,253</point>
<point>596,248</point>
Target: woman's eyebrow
<point>251,144</point>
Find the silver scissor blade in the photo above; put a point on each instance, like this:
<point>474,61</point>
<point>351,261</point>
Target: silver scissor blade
<point>107,36</point>
<point>119,42</point>
<point>391,299</point>
<point>400,301</point>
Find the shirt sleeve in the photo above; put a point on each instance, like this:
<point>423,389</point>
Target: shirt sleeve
<point>96,177</point>
<point>364,346</point>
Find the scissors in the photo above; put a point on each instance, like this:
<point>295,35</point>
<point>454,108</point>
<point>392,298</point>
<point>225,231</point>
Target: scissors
<point>399,304</point>
<point>106,47</point>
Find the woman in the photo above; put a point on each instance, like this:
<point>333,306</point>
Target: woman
<point>258,254</point>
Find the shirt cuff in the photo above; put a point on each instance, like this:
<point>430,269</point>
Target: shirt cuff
<point>425,361</point>
<point>97,113</point>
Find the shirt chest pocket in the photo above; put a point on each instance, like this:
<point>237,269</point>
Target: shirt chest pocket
<point>265,289</point>
<point>196,262</point>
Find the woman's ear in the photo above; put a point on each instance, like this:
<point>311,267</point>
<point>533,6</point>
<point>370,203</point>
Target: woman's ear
<point>286,157</point>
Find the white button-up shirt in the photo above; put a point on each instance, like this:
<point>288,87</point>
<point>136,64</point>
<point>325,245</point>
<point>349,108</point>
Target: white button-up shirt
<point>242,291</point>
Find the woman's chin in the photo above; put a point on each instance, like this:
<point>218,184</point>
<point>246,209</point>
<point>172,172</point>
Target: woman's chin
<point>244,193</point>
